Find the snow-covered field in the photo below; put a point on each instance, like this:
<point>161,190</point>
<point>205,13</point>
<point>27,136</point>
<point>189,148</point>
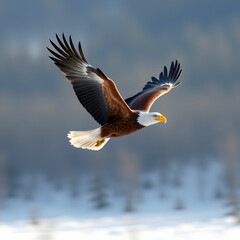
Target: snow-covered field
<point>132,227</point>
<point>187,211</point>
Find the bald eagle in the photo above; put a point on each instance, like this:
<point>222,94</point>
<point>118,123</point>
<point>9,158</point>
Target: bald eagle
<point>100,97</point>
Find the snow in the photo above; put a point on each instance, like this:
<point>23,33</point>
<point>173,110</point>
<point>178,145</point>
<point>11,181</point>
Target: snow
<point>128,227</point>
<point>55,215</point>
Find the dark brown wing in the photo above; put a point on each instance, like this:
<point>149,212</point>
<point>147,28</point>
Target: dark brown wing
<point>95,91</point>
<point>143,100</point>
<point>117,106</point>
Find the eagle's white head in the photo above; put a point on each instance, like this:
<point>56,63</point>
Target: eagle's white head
<point>149,118</point>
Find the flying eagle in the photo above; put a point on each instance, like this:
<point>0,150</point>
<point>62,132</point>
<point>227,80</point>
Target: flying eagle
<point>100,97</point>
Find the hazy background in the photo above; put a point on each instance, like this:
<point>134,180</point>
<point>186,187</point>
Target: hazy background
<point>130,41</point>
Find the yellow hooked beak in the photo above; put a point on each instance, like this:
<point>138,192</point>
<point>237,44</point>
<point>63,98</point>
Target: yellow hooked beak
<point>161,119</point>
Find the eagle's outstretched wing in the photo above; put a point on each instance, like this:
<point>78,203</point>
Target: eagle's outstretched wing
<point>143,100</point>
<point>96,92</point>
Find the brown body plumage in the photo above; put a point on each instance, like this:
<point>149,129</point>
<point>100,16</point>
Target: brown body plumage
<point>121,126</point>
<point>100,97</point>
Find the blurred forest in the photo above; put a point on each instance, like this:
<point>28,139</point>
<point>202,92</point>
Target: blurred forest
<point>129,42</point>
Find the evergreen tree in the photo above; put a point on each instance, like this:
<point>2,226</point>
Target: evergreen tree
<point>98,189</point>
<point>179,205</point>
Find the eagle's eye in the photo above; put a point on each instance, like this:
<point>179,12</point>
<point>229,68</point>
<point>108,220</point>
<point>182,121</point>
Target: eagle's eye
<point>155,116</point>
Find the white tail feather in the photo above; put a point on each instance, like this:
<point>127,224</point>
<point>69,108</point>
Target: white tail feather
<point>87,139</point>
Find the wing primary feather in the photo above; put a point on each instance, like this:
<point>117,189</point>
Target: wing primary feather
<point>61,44</point>
<point>171,71</point>
<point>55,54</point>
<point>165,72</point>
<point>176,71</point>
<point>161,77</point>
<point>179,74</point>
<point>155,80</point>
<point>67,46</point>
<point>54,59</point>
<point>81,52</point>
<point>176,84</point>
<point>58,49</point>
<point>73,48</point>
